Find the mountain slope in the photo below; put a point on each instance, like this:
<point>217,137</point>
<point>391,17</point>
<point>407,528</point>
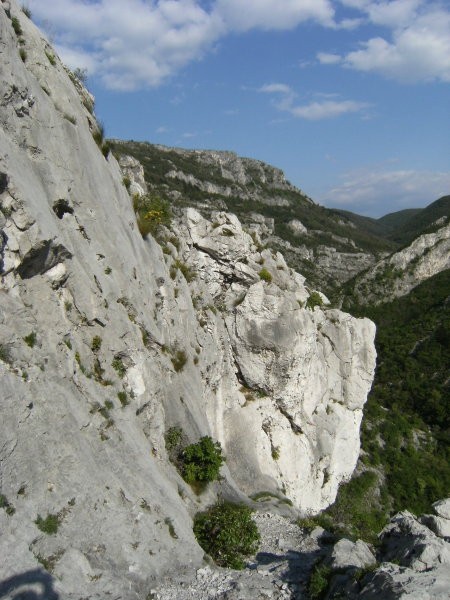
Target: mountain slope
<point>323,245</point>
<point>392,222</point>
<point>407,423</point>
<point>400,272</point>
<point>427,220</point>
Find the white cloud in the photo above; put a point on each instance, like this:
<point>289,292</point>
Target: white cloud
<point>416,46</point>
<point>77,57</point>
<point>130,47</point>
<point>141,43</point>
<point>326,108</point>
<point>348,24</point>
<point>275,88</point>
<point>382,191</point>
<point>326,58</point>
<point>396,13</point>
<point>272,14</point>
<point>419,52</point>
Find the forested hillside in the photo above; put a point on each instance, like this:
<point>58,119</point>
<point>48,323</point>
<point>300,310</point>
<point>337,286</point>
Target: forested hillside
<point>405,459</point>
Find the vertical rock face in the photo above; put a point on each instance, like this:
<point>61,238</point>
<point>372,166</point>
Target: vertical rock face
<point>305,372</point>
<point>91,319</point>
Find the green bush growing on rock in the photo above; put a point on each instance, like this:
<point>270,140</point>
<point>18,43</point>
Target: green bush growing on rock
<point>5,354</point>
<point>80,74</point>
<point>51,58</point>
<point>179,359</point>
<point>30,339</point>
<point>265,275</point>
<point>99,138</point>
<point>227,533</point>
<point>319,581</point>
<point>123,398</point>
<point>119,367</point>
<point>49,525</point>
<point>16,26</point>
<point>172,438</point>
<point>96,343</point>
<point>187,272</point>
<point>315,299</point>
<point>151,212</point>
<point>4,503</point>
<point>201,462</point>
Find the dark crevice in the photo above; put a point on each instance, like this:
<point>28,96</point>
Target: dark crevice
<point>42,257</point>
<point>295,428</point>
<point>4,181</point>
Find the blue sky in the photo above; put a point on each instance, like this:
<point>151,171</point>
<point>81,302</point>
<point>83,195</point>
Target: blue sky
<point>351,98</point>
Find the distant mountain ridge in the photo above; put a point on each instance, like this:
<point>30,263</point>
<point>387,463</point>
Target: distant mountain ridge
<point>309,235</point>
<point>403,226</point>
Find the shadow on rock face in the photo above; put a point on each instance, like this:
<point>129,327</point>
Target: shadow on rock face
<point>31,585</point>
<point>42,257</point>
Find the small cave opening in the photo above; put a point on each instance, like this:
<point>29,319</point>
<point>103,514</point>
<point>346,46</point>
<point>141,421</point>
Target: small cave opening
<point>62,207</point>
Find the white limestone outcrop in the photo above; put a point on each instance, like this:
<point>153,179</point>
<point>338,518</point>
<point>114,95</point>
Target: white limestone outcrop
<point>305,371</point>
<point>399,273</point>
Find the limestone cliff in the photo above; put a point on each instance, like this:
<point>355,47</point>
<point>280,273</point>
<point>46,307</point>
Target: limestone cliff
<point>92,320</point>
<point>399,273</point>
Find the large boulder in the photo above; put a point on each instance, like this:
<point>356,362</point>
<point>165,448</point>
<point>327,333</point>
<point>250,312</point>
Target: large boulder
<point>347,555</point>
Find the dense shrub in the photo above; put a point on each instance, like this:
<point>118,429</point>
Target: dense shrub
<point>202,461</point>
<point>357,511</point>
<point>227,533</point>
